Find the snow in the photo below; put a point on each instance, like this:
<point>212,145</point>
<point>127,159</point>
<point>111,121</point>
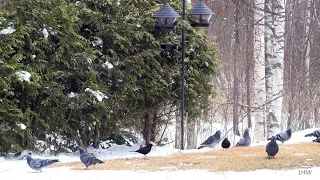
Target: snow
<point>22,126</point>
<point>108,65</point>
<point>72,94</point>
<point>297,137</point>
<point>45,33</point>
<point>18,169</point>
<point>8,30</point>
<point>23,75</point>
<point>99,95</point>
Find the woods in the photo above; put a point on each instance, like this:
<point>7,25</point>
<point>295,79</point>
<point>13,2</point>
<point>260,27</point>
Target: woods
<point>93,71</point>
<point>273,69</point>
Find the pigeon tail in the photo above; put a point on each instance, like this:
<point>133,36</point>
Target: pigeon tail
<point>309,135</point>
<point>51,161</point>
<point>97,161</point>
<point>200,147</point>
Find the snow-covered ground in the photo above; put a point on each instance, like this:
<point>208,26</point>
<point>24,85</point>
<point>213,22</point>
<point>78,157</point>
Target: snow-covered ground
<point>18,169</point>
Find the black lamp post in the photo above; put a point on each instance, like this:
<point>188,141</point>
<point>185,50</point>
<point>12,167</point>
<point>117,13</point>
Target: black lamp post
<point>166,16</point>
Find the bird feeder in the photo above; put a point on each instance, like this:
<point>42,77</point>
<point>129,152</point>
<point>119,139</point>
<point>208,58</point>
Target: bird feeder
<point>200,15</point>
<point>166,17</point>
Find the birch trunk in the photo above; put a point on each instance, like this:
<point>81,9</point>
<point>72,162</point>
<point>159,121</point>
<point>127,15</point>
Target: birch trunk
<point>3,4</point>
<point>274,24</point>
<point>259,96</point>
<point>236,57</point>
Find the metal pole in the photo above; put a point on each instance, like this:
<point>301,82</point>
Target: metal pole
<point>182,75</point>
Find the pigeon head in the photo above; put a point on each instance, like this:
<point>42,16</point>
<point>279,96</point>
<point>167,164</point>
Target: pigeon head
<point>273,138</point>
<point>217,134</point>
<point>289,132</point>
<point>150,145</point>
<point>26,156</point>
<point>246,133</point>
<point>80,149</point>
<point>29,158</point>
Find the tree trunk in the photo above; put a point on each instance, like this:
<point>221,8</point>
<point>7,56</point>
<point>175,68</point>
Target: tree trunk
<point>191,134</point>
<point>153,128</point>
<point>249,30</point>
<point>259,95</point>
<point>3,4</point>
<point>236,52</point>
<point>96,139</point>
<point>274,24</point>
<point>147,127</point>
<point>178,132</point>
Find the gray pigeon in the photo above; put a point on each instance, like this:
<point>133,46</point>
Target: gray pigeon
<point>272,147</point>
<point>314,134</point>
<point>283,136</point>
<point>88,159</point>
<point>316,140</point>
<point>212,141</point>
<point>245,140</point>
<point>38,164</point>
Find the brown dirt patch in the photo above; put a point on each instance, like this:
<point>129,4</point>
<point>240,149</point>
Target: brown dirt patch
<point>234,159</point>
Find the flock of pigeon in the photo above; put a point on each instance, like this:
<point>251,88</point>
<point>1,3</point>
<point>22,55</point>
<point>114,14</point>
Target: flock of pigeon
<point>272,147</point>
<point>89,159</point>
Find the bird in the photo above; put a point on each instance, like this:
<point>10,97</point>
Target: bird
<point>144,150</point>
<point>283,136</point>
<point>212,141</point>
<point>88,159</point>
<point>38,164</point>
<point>316,140</point>
<point>315,133</point>
<point>225,143</point>
<point>272,147</point>
<point>245,140</point>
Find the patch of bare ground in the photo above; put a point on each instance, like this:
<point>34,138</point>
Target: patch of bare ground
<point>238,159</point>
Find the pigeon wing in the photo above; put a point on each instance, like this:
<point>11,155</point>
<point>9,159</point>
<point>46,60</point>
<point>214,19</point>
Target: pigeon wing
<point>210,140</point>
<point>282,136</point>
<point>37,163</point>
<point>86,158</point>
<point>241,141</point>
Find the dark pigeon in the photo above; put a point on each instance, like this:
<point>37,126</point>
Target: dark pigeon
<point>245,140</point>
<point>283,136</point>
<point>272,147</point>
<point>316,140</point>
<point>225,143</point>
<point>314,134</point>
<point>88,159</point>
<point>144,150</point>
<point>38,164</point>
<point>212,141</point>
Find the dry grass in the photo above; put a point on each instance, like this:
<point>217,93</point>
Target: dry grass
<point>233,159</point>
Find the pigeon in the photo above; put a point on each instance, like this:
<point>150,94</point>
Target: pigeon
<point>212,141</point>
<point>283,136</point>
<point>225,143</point>
<point>88,159</point>
<point>38,164</point>
<point>316,140</point>
<point>272,147</point>
<point>314,134</point>
<point>245,140</point>
<point>144,150</point>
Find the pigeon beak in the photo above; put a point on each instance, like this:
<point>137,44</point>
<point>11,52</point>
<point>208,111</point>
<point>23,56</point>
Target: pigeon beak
<point>22,157</point>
